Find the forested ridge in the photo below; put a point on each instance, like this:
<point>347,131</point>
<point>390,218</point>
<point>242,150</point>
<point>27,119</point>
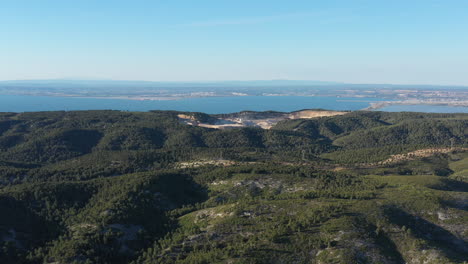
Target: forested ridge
<point>143,187</point>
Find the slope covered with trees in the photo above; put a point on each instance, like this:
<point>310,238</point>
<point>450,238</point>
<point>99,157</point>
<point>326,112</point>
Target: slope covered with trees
<point>142,187</point>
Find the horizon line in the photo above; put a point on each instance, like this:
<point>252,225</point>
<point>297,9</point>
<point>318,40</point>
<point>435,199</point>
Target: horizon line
<point>227,80</point>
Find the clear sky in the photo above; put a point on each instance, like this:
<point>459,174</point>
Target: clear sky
<point>358,41</point>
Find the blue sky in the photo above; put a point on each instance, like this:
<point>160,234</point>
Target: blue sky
<point>357,41</point>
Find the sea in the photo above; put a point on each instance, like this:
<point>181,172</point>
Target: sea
<point>210,105</point>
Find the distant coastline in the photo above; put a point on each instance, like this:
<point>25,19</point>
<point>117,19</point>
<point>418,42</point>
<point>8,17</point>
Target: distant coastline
<point>379,105</point>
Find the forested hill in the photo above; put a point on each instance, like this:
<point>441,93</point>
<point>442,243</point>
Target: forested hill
<point>143,187</point>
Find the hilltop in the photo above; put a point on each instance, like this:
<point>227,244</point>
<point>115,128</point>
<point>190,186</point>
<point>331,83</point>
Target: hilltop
<point>265,120</point>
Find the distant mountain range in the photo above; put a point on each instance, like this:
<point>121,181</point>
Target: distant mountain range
<point>64,83</point>
<point>150,84</point>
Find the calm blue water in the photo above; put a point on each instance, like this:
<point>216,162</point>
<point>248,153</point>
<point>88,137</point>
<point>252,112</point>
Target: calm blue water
<point>211,105</point>
<point>425,108</point>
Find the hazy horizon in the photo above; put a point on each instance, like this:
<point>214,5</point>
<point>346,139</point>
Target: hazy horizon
<point>273,81</point>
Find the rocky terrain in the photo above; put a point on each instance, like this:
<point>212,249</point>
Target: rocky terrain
<point>265,120</point>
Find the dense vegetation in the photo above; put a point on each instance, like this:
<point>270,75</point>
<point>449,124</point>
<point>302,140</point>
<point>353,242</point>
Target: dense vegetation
<point>124,187</point>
